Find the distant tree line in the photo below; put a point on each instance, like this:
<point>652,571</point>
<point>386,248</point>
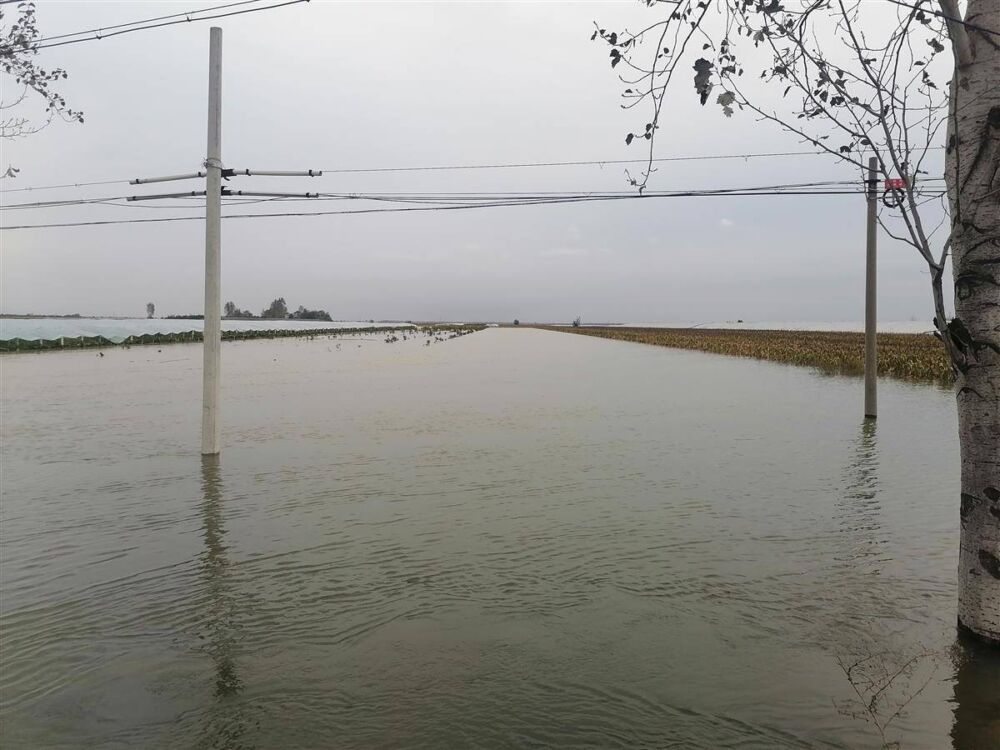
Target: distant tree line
<point>232,311</point>
<point>304,314</point>
<point>277,310</point>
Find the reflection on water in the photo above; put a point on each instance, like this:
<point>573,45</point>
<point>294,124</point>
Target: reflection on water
<point>859,505</point>
<point>866,598</point>
<point>220,619</point>
<point>884,673</point>
<point>888,673</point>
<point>513,539</point>
<point>227,722</point>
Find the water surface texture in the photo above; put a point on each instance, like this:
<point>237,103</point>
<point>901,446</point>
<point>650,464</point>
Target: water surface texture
<point>517,538</point>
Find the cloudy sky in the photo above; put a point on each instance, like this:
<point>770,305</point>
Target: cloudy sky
<point>341,85</point>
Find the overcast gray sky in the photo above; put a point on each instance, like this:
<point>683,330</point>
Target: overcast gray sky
<point>327,85</point>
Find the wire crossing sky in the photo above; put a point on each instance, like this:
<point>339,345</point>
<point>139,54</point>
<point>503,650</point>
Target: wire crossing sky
<point>96,35</point>
<point>444,201</point>
<point>426,119</point>
<point>515,165</point>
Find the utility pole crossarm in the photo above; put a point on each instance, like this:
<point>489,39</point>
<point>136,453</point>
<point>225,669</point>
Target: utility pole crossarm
<point>158,196</point>
<point>227,192</point>
<point>168,178</point>
<point>270,173</point>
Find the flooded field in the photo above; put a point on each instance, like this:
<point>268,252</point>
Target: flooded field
<point>517,538</point>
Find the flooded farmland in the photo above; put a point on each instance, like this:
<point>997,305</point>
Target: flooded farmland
<point>516,538</point>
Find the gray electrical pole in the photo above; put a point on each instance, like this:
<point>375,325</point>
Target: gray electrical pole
<point>871,351</point>
<point>212,340</point>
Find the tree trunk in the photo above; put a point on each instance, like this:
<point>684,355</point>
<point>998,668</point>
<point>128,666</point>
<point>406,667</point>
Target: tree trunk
<point>972,173</point>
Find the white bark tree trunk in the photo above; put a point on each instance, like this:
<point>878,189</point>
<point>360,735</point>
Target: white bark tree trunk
<point>972,174</point>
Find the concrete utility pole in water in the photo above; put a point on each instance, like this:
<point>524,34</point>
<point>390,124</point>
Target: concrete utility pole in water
<point>871,352</point>
<point>213,251</point>
<point>214,172</point>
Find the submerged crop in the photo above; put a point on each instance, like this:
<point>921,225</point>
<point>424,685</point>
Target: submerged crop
<point>907,356</point>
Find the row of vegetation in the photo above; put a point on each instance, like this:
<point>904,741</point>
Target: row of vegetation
<point>437,332</point>
<point>907,356</point>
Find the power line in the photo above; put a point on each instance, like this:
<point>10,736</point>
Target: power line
<point>101,29</point>
<point>109,201</point>
<point>66,185</point>
<point>853,185</point>
<point>59,204</point>
<point>514,165</point>
<point>444,196</point>
<point>97,36</point>
<point>464,206</point>
<point>591,162</point>
<point>411,197</point>
<point>435,198</point>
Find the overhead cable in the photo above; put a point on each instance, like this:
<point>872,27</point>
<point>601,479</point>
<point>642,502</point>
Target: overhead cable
<point>101,29</point>
<point>850,186</point>
<point>514,165</point>
<point>95,36</point>
<point>464,206</point>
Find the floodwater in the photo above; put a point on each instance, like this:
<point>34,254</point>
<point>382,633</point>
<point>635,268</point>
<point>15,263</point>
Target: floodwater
<point>517,538</point>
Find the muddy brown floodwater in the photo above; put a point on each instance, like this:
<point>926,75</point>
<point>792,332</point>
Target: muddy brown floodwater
<point>517,538</point>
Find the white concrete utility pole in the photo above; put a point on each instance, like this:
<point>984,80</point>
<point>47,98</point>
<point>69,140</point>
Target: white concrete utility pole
<point>212,337</point>
<point>871,351</point>
<point>214,172</point>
